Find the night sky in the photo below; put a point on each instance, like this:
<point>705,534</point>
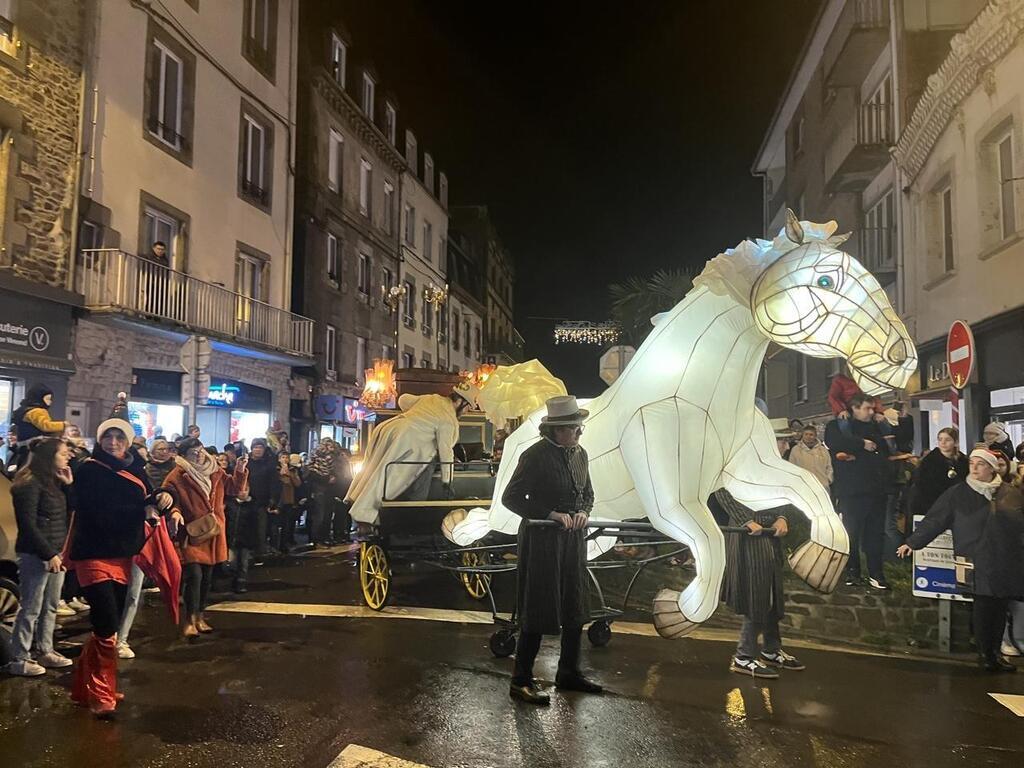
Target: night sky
<point>607,138</point>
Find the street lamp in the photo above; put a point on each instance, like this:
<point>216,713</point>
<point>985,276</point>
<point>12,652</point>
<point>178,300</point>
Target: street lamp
<point>437,297</point>
<point>392,298</point>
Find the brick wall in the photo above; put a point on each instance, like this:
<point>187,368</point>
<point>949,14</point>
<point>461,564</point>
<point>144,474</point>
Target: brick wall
<point>39,109</point>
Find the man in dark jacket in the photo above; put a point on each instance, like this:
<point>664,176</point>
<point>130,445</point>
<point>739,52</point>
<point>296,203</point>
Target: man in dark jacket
<point>863,478</point>
<point>753,584</point>
<point>264,494</point>
<point>552,482</point>
<point>32,420</point>
<point>986,517</point>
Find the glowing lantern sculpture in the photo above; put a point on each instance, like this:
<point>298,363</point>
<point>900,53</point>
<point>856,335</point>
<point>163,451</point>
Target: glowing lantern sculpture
<point>379,390</point>
<point>680,421</point>
<point>512,391</point>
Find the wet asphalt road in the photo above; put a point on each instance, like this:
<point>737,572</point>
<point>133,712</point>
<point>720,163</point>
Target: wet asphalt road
<point>288,690</point>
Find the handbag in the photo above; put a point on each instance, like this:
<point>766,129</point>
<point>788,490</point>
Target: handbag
<point>202,529</point>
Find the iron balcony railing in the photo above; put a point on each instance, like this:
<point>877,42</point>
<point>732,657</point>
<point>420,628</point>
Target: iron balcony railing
<point>860,145</point>
<point>115,281</point>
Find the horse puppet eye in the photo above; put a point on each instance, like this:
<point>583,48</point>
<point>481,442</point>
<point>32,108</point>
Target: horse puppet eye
<point>826,281</point>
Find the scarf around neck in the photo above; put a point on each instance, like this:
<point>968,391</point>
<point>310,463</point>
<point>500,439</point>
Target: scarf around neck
<point>202,472</point>
<point>988,490</point>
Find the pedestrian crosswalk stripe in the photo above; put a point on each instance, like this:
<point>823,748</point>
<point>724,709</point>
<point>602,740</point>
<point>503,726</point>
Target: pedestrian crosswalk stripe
<point>355,756</point>
<point>1013,702</point>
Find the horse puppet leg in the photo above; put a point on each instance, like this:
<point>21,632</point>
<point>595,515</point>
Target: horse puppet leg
<point>666,447</point>
<point>761,479</point>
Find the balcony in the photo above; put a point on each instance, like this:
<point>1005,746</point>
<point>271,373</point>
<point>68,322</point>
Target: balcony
<point>860,148</point>
<point>856,43</point>
<point>506,351</point>
<point>875,248</point>
<point>119,283</point>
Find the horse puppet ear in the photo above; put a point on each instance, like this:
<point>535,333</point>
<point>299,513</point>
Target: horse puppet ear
<point>794,232</point>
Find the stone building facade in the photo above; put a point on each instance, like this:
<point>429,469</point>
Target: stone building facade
<point>41,55</point>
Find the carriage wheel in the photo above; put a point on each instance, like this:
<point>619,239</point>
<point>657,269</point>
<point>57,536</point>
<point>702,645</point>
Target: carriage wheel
<point>477,584</point>
<point>503,643</point>
<point>374,575</point>
<point>599,633</point>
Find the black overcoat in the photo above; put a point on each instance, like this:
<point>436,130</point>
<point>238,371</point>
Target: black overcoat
<point>990,533</point>
<point>935,475</point>
<point>752,586</point>
<point>552,570</point>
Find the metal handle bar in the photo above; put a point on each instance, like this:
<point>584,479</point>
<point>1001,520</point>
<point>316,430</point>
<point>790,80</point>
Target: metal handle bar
<point>639,526</point>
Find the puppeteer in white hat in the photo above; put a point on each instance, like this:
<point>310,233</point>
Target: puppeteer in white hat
<point>564,411</point>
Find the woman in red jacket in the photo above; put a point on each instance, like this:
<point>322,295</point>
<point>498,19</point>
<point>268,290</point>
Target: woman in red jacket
<point>199,485</point>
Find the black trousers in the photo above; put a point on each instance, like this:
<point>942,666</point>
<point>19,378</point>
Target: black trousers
<point>529,646</point>
<point>989,620</point>
<point>316,515</point>
<point>106,606</point>
<point>198,578</point>
<point>864,520</point>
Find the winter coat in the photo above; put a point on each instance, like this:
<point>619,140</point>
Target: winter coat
<point>816,460</point>
<point>264,481</point>
<point>840,392</point>
<point>41,511</point>
<point>753,585</point>
<point>157,471</point>
<point>32,419</point>
<point>552,567</point>
<point>193,504</point>
<point>870,473</point>
<point>426,428</point>
<point>990,533</point>
<point>110,507</point>
<point>932,479</point>
<point>290,484</point>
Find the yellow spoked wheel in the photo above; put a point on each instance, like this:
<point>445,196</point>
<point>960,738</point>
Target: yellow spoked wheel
<point>374,575</point>
<point>477,584</point>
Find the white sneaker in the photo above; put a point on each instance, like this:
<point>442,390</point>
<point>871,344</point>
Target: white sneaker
<point>63,609</point>
<point>53,660</point>
<point>79,606</point>
<point>124,651</point>
<point>1008,649</point>
<point>26,668</point>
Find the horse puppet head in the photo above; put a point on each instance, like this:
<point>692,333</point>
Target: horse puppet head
<point>820,301</point>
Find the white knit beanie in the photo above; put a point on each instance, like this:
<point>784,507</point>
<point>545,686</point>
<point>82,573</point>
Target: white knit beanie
<point>986,455</point>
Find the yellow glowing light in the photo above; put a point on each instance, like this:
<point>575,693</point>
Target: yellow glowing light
<point>379,390</point>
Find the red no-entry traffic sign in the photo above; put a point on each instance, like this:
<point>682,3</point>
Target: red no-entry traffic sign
<point>960,353</point>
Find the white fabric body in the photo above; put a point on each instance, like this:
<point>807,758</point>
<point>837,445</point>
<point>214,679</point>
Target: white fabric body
<point>426,427</point>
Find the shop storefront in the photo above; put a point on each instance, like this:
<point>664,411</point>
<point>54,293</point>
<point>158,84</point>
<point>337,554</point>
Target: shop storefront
<point>36,326</point>
<point>341,419</point>
<point>154,404</point>
<point>234,411</point>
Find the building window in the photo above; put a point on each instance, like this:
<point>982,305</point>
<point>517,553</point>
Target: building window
<point>408,361</point>
<point>1007,201</point>
<point>7,44</point>
<point>410,226</point>
<point>409,307</point>
<point>801,379</point>
<point>410,150</point>
<point>947,229</point>
<point>387,280</point>
<point>365,187</point>
<point>388,352</point>
<point>249,276</point>
<point>878,248</point>
<point>876,115</point>
<point>389,208</point>
<point>259,37</point>
<point>160,227</point>
<point>428,172</point>
<point>360,359</point>
<point>169,94</point>
<point>426,361</point>
<point>335,161</point>
<point>390,122</point>
<point>168,91</point>
<point>369,86</point>
<point>478,345</point>
<point>443,186</point>
<point>428,317</point>
<point>332,258</point>
<point>465,329</point>
<point>456,319</point>
<point>798,135</point>
<point>255,158</point>
<point>339,56</point>
<point>428,242</point>
<point>331,350</point>
<point>90,235</point>
<point>364,274</point>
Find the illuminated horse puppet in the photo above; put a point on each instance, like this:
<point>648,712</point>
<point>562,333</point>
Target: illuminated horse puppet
<point>680,422</point>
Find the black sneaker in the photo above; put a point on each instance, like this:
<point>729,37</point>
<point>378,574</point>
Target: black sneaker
<point>782,660</point>
<point>852,581</point>
<point>752,667</point>
<point>576,682</point>
<point>879,584</point>
<point>529,693</point>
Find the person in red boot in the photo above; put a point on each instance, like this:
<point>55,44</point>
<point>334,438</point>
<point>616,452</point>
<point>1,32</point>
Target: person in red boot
<point>113,500</point>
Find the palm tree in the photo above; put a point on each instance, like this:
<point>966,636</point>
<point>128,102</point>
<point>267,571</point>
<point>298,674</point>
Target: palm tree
<point>637,300</point>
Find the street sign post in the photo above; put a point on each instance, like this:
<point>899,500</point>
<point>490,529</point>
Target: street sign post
<point>960,353</point>
<point>935,577</point>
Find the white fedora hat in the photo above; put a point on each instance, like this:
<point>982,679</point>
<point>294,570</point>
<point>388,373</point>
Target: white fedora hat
<point>563,410</point>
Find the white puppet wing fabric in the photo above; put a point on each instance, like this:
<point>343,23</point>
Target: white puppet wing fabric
<point>680,422</point>
<point>427,427</point>
<point>514,391</point>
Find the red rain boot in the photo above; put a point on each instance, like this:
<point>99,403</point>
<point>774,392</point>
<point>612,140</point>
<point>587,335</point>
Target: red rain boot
<point>103,688</point>
<point>82,672</point>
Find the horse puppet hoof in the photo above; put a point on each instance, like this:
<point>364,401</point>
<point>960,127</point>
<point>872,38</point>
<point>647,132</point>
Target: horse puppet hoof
<point>668,619</point>
<point>820,566</point>
<point>464,528</point>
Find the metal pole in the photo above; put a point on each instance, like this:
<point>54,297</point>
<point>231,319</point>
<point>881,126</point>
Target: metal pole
<point>195,380</point>
<point>945,624</point>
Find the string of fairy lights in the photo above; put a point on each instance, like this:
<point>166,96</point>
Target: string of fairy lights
<point>586,332</point>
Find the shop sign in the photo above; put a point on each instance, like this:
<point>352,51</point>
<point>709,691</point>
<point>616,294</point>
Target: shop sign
<point>34,332</point>
<point>355,413</point>
<point>934,574</point>
<point>156,386</point>
<point>960,353</point>
<point>347,410</point>
<point>238,396</point>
